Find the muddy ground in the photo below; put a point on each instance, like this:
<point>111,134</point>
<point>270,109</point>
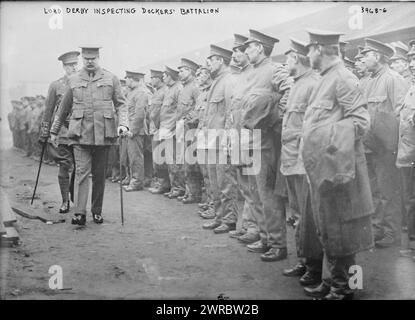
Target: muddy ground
<point>162,252</point>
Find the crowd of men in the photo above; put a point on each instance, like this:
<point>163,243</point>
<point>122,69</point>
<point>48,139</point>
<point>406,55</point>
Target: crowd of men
<point>336,145</point>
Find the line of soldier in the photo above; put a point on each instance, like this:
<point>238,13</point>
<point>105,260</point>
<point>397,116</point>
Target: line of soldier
<point>24,123</point>
<point>330,145</point>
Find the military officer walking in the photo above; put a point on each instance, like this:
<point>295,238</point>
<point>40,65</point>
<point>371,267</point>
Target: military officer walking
<point>384,92</point>
<point>63,154</point>
<point>137,102</point>
<point>92,95</point>
<point>334,124</point>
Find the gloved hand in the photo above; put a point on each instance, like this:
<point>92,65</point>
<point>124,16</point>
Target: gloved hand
<point>54,139</point>
<point>122,130</point>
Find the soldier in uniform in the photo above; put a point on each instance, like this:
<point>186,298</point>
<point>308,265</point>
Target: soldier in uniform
<point>334,124</point>
<point>263,106</point>
<point>20,125</point>
<point>197,119</point>
<point>384,92</point>
<point>218,100</point>
<point>186,105</point>
<point>35,125</point>
<point>399,63</point>
<point>11,117</point>
<point>25,125</point>
<point>137,102</point>
<point>307,242</point>
<point>166,133</point>
<point>161,172</point>
<point>63,154</point>
<point>406,154</point>
<point>247,229</point>
<point>92,95</point>
<point>361,70</point>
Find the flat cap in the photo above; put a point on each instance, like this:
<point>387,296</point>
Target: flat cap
<point>239,41</point>
<point>265,40</point>
<point>173,73</point>
<point>221,52</point>
<point>90,52</point>
<point>400,53</point>
<point>134,75</point>
<point>297,47</point>
<point>187,63</point>
<point>377,46</point>
<point>69,57</point>
<point>323,37</point>
<point>412,48</point>
<point>156,74</point>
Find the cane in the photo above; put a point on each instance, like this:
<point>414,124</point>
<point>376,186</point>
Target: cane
<point>122,204</point>
<point>38,170</point>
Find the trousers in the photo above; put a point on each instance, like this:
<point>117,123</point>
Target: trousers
<point>135,150</point>
<point>90,159</point>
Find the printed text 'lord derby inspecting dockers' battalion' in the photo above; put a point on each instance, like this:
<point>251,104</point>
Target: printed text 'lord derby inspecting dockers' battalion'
<point>141,11</point>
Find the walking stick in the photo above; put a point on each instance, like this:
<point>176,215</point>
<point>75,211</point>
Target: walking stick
<point>38,170</point>
<point>122,204</point>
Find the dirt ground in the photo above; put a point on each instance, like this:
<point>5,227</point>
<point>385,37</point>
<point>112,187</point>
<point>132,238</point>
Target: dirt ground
<point>162,252</point>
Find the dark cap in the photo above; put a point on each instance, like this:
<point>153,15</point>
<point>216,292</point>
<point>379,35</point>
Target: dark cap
<point>377,46</point>
<point>265,40</point>
<point>411,48</point>
<point>134,75</point>
<point>90,52</point>
<point>156,74</point>
<point>187,63</point>
<point>69,57</point>
<point>221,52</point>
<point>323,37</point>
<point>171,72</point>
<point>297,47</point>
<point>239,42</point>
<point>359,54</point>
<point>203,67</point>
<point>400,53</point>
<point>123,82</point>
<point>349,62</point>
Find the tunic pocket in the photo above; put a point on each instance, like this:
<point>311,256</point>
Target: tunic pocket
<point>75,124</point>
<point>110,130</point>
<point>104,90</point>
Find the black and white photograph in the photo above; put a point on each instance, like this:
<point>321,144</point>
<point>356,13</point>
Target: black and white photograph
<point>210,151</point>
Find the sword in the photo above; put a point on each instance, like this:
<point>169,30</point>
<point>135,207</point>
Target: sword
<point>122,204</point>
<point>38,170</point>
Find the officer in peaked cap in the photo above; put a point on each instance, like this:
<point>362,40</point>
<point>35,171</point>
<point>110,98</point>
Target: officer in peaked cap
<point>167,129</point>
<point>162,185</point>
<point>399,63</point>
<point>63,154</point>
<point>307,243</point>
<point>297,46</point>
<point>217,104</point>
<point>137,102</point>
<point>239,42</point>
<point>92,98</point>
<point>336,93</point>
<point>187,63</point>
<point>263,112</point>
<point>320,39</point>
<point>267,42</point>
<point>385,93</point>
<point>185,108</point>
<point>406,153</point>
<point>372,45</point>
